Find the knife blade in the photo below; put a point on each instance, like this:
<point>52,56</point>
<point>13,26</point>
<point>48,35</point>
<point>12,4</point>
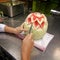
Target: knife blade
<point>30,28</point>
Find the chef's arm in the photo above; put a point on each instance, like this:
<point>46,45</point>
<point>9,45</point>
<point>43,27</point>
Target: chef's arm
<point>27,46</point>
<point>17,30</point>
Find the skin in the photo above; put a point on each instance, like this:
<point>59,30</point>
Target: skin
<point>27,46</point>
<point>16,30</point>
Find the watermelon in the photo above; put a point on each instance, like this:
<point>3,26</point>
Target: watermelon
<point>39,22</point>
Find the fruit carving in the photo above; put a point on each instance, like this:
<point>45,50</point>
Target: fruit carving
<point>39,22</point>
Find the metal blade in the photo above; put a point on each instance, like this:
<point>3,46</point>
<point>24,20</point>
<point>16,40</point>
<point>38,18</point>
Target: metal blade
<point>30,28</point>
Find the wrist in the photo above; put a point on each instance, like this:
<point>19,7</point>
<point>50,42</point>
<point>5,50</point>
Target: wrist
<point>25,55</point>
<point>15,31</point>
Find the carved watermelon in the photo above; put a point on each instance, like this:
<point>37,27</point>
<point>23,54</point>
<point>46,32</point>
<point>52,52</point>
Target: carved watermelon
<point>39,22</point>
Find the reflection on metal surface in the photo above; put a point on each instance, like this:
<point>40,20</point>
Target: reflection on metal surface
<point>55,12</point>
<point>36,52</point>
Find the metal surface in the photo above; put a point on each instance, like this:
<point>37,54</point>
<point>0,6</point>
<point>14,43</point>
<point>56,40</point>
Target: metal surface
<point>55,12</point>
<point>13,3</point>
<point>4,55</point>
<point>13,44</point>
<point>12,10</point>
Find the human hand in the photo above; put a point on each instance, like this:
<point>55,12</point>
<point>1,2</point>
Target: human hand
<point>27,46</point>
<point>20,28</point>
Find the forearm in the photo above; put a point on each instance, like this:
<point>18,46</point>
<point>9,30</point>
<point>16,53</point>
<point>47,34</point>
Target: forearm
<point>27,46</point>
<point>10,30</point>
<point>25,52</point>
<point>25,55</point>
<point>5,28</point>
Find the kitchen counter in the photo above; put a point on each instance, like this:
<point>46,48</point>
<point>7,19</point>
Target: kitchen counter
<point>12,44</point>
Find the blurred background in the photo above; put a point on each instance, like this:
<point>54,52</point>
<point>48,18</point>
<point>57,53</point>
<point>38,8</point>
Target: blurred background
<point>43,6</point>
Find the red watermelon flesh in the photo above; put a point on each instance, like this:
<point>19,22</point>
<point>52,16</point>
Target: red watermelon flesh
<point>35,21</point>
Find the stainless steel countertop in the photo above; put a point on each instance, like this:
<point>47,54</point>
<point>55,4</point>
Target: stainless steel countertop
<point>13,44</point>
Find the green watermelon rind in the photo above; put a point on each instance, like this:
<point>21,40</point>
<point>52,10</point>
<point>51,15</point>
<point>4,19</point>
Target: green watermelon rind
<point>37,34</point>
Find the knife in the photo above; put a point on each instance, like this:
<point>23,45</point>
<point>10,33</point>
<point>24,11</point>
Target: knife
<point>30,28</point>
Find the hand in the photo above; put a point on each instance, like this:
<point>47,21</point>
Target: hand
<point>20,28</point>
<point>27,46</point>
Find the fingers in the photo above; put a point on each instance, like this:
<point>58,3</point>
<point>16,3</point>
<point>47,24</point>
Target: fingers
<point>22,27</point>
<point>28,37</point>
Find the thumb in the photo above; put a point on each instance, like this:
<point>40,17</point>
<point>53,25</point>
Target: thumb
<point>24,30</point>
<point>31,35</point>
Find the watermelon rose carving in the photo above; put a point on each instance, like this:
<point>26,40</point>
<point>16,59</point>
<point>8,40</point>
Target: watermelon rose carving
<point>39,22</point>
